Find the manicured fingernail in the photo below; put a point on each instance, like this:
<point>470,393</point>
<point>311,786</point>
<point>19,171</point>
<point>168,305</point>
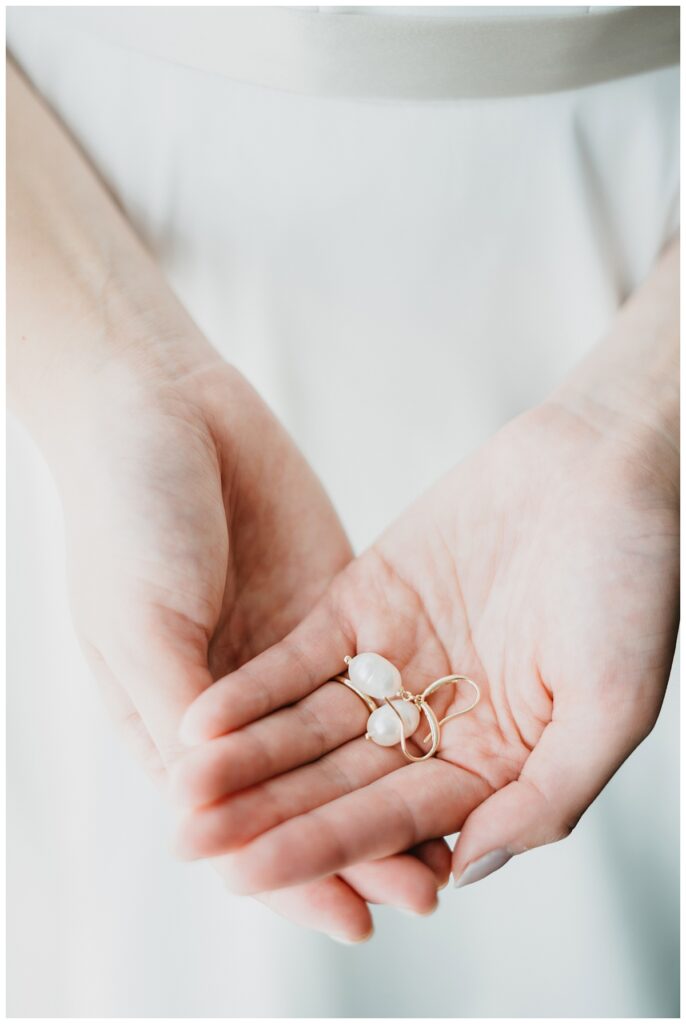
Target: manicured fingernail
<point>418,913</point>
<point>352,942</point>
<point>482,867</point>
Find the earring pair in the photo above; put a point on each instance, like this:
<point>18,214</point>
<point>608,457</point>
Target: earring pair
<point>396,718</point>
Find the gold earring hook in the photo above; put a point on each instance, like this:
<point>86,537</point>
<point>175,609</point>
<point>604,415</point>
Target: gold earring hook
<point>434,726</point>
<point>420,700</point>
<point>452,681</point>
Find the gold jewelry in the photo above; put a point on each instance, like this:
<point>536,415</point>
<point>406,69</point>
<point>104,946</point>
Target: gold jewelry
<point>368,702</point>
<point>398,717</point>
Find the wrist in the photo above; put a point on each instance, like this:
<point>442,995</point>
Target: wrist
<point>632,458</point>
<point>134,360</point>
<point>627,389</point>
<point>644,414</point>
<point>91,320</point>
<point>621,401</point>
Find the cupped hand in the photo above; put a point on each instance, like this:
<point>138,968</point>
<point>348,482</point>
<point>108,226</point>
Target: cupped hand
<point>545,568</point>
<point>196,533</point>
<point>197,536</point>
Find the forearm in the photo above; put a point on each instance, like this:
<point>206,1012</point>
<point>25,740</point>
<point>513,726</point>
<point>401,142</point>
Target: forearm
<point>629,383</point>
<point>85,300</point>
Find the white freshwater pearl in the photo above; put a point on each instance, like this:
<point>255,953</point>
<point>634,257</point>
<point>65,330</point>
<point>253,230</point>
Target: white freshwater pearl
<point>383,726</point>
<point>374,675</point>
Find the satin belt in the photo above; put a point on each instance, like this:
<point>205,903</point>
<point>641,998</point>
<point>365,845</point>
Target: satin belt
<point>335,52</point>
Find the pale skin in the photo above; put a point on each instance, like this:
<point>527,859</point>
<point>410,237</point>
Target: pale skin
<point>197,535</point>
<point>544,567</point>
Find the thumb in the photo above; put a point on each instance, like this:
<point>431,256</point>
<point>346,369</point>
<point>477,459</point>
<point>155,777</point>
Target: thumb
<point>161,690</point>
<point>569,766</point>
<point>160,668</point>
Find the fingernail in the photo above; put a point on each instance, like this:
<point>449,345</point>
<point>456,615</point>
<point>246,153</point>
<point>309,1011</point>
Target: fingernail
<point>482,867</point>
<point>352,942</point>
<point>418,913</point>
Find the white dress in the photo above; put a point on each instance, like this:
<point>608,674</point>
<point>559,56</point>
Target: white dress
<point>399,271</point>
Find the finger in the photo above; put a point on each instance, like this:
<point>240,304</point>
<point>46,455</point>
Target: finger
<point>286,739</point>
<point>402,881</point>
<point>337,905</point>
<point>407,807</point>
<point>222,827</point>
<point>329,905</point>
<point>437,856</point>
<point>570,765</point>
<point>307,657</point>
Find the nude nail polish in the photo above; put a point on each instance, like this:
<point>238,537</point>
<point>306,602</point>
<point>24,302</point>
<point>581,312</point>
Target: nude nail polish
<point>352,942</point>
<point>482,867</point>
<point>418,913</point>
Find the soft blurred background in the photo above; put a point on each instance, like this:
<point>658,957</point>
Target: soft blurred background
<point>103,922</point>
<point>326,297</point>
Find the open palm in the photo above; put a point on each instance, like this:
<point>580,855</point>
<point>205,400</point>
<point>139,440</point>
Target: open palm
<point>544,568</point>
<point>198,537</point>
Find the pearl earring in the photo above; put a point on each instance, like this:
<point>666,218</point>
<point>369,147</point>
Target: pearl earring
<point>370,677</point>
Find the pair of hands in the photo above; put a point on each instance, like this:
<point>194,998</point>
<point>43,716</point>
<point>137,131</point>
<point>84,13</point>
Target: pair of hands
<point>207,565</point>
<point>210,577</point>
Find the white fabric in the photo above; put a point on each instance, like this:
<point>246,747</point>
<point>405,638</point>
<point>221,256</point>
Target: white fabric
<point>398,280</point>
<point>332,51</point>
<point>463,12</point>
